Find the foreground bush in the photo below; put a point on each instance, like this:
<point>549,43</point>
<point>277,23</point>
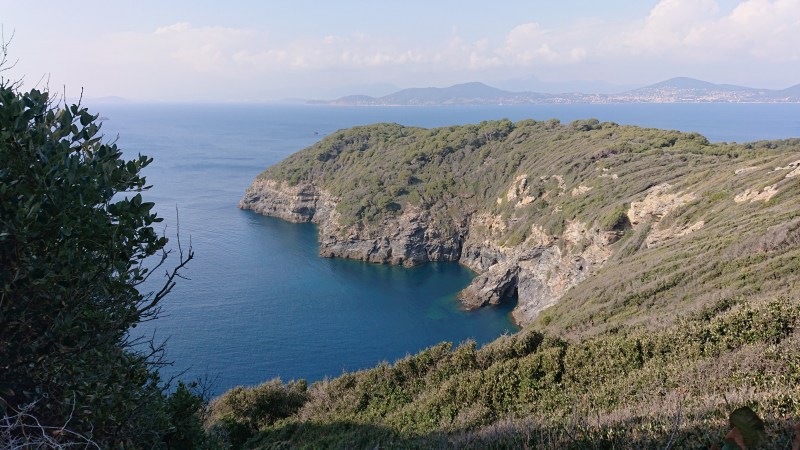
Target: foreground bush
<point>74,237</point>
<point>241,412</point>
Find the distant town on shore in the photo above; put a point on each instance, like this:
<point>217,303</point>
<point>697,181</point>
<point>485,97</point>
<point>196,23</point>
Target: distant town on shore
<point>674,90</point>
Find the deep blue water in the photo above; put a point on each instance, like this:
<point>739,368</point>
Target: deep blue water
<point>260,302</point>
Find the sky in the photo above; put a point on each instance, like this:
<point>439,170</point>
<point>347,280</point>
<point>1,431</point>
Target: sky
<point>255,51</point>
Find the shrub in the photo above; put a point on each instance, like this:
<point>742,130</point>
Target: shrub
<point>241,412</point>
<point>75,233</point>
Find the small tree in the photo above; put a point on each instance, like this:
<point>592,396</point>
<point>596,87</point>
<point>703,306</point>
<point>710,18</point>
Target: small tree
<point>75,235</point>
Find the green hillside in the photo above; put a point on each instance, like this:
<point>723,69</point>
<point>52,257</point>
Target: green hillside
<point>692,314</point>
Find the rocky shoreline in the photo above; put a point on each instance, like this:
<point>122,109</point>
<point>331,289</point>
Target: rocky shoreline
<point>538,271</point>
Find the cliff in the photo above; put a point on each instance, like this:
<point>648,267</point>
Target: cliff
<point>657,273</point>
<point>537,271</point>
<point>540,210</point>
<point>410,238</point>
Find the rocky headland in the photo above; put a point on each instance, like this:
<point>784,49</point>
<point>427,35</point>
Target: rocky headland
<point>534,208</point>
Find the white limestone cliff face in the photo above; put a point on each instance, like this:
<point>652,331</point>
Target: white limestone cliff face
<point>292,203</point>
<point>658,202</point>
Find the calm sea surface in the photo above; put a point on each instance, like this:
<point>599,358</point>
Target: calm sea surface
<point>260,303</point>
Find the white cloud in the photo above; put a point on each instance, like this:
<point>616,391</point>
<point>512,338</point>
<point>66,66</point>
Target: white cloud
<point>679,30</point>
<point>765,30</point>
<point>685,36</point>
<point>201,48</point>
<point>174,28</point>
<point>531,44</point>
<point>696,30</point>
<point>668,24</point>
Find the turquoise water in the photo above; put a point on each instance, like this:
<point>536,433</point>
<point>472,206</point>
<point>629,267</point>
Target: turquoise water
<point>260,303</point>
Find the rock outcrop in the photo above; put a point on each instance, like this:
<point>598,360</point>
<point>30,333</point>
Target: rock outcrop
<point>755,195</point>
<point>659,201</point>
<point>538,271</point>
<point>410,239</point>
<point>292,203</point>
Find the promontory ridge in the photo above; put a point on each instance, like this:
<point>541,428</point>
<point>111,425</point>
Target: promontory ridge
<point>655,273</point>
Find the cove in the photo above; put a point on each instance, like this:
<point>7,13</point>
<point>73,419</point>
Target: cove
<point>280,310</point>
<point>260,303</point>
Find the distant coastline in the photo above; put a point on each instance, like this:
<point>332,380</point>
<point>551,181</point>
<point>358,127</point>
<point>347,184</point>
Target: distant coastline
<point>674,90</point>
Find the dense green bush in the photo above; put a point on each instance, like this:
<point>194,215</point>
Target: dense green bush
<point>240,413</point>
<point>75,234</point>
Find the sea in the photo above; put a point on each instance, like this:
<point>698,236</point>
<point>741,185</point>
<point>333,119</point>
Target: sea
<point>257,302</point>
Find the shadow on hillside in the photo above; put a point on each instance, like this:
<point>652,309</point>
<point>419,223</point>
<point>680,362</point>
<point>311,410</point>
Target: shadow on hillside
<point>631,435</point>
<point>342,435</point>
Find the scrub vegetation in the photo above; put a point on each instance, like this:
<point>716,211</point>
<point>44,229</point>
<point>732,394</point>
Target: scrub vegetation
<point>632,389</point>
<point>655,350</point>
<point>381,169</point>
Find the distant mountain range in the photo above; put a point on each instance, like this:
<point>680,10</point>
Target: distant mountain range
<point>674,90</point>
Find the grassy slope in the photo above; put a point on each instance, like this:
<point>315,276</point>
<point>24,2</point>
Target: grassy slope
<point>648,350</point>
<point>475,164</point>
<point>379,169</point>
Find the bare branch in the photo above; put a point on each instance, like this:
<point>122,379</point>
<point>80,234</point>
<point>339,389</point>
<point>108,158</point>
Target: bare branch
<point>21,429</point>
<point>4,64</point>
<point>676,425</point>
<point>147,309</point>
<point>164,255</point>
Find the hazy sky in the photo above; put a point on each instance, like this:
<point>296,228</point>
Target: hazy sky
<point>262,50</point>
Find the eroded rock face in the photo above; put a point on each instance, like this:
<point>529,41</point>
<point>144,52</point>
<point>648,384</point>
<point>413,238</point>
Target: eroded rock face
<point>539,270</point>
<point>659,202</point>
<point>753,195</point>
<point>409,239</point>
<point>497,283</point>
<point>292,203</point>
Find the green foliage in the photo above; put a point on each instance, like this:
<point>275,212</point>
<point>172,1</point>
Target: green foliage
<point>586,125</point>
<point>74,235</point>
<point>186,425</point>
<point>616,219</point>
<point>380,170</point>
<point>240,412</point>
<point>624,390</point>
